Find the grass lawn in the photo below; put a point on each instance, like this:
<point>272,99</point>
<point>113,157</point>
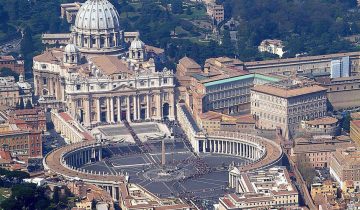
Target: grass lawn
<point>196,14</point>
<point>4,193</point>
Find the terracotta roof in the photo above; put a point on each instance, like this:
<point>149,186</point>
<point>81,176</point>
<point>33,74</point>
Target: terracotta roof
<point>249,119</point>
<point>49,56</point>
<point>110,65</point>
<point>356,123</point>
<point>26,111</point>
<point>189,63</point>
<point>65,116</point>
<point>355,116</point>
<point>323,121</point>
<point>228,203</point>
<point>5,155</point>
<point>7,58</point>
<point>156,50</point>
<point>287,93</point>
<point>87,136</point>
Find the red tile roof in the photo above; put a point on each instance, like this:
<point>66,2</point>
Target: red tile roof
<point>65,116</point>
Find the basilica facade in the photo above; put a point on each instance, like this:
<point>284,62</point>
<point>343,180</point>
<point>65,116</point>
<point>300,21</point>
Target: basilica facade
<point>96,80</point>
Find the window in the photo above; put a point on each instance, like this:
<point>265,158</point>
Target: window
<point>165,81</point>
<point>78,87</point>
<point>44,81</point>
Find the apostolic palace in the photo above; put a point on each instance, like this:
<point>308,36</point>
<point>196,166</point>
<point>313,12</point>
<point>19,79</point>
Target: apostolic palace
<point>95,80</point>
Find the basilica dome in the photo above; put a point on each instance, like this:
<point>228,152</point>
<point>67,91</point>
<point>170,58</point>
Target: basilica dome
<point>97,15</point>
<point>97,29</point>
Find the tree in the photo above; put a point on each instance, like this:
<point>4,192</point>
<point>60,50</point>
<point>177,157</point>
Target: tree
<point>56,195</point>
<point>176,6</point>
<point>345,123</point>
<point>4,17</point>
<point>26,46</point>
<point>188,11</point>
<point>6,72</point>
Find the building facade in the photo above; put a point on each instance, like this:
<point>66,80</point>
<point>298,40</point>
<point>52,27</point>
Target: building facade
<point>306,64</point>
<point>344,166</point>
<point>69,11</point>
<point>284,105</point>
<point>315,152</point>
<point>321,126</point>
<point>29,119</point>
<point>22,144</point>
<point>343,92</point>
<point>10,62</point>
<point>11,92</point>
<point>216,12</point>
<point>272,46</point>
<point>97,81</point>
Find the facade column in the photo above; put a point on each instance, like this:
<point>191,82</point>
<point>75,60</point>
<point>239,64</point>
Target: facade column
<point>135,107</point>
<point>51,88</point>
<point>97,42</point>
<point>112,109</point>
<point>148,107</point>
<point>118,109</point>
<point>138,107</point>
<point>243,150</point>
<point>87,111</point>
<point>116,38</point>
<point>98,107</point>
<point>158,106</point>
<point>172,105</point>
<point>204,150</point>
<point>108,112</point>
<point>56,89</point>
<point>128,110</point>
<point>211,147</point>
<point>247,151</point>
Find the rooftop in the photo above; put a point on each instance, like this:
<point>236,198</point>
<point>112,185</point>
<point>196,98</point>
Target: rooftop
<point>288,91</point>
<point>355,116</point>
<point>242,77</point>
<point>110,65</point>
<point>260,186</point>
<point>323,121</point>
<point>189,63</point>
<point>7,58</point>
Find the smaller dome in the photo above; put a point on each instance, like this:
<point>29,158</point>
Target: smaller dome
<point>71,49</point>
<point>137,44</point>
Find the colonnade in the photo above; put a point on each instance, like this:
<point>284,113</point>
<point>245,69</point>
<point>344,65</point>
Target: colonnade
<point>238,148</point>
<point>126,107</point>
<point>86,155</point>
<point>97,41</point>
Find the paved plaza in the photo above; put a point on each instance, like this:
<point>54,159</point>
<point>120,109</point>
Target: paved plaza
<point>193,182</point>
<point>145,131</point>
